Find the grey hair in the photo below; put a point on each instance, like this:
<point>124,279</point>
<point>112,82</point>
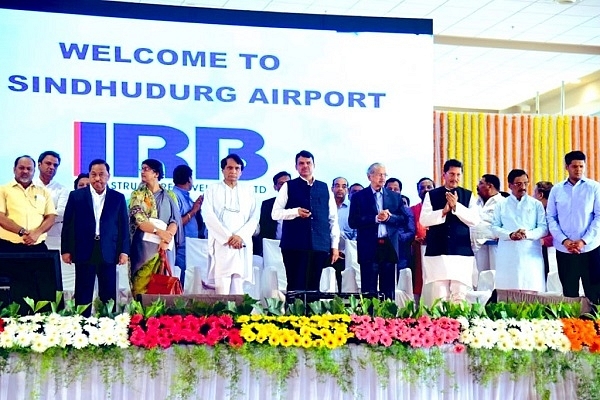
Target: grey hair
<point>373,167</point>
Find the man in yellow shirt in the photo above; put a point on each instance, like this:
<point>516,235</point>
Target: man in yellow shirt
<point>26,211</point>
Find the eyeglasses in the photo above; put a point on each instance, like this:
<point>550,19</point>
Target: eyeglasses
<point>380,175</point>
<point>521,184</point>
<point>146,169</point>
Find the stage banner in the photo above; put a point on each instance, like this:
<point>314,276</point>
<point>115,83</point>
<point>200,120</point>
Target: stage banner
<point>192,91</point>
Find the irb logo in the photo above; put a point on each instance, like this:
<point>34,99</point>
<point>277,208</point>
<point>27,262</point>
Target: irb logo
<point>90,143</point>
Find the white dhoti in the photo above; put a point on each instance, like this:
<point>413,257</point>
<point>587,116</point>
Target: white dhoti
<point>447,277</point>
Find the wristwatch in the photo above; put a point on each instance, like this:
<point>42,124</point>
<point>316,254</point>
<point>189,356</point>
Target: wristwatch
<point>21,232</point>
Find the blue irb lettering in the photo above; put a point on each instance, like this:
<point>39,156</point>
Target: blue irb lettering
<point>91,138</point>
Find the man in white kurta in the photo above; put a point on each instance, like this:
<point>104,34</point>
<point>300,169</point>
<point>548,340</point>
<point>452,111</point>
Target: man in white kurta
<point>448,211</point>
<point>485,243</point>
<point>231,217</point>
<point>520,223</point>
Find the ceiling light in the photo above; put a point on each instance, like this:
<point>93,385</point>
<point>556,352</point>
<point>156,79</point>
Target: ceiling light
<point>566,2</point>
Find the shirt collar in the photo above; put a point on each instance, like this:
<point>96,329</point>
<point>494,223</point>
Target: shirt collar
<point>582,180</point>
<point>33,184</point>
<point>94,193</point>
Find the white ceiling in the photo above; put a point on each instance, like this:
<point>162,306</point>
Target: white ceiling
<point>484,57</point>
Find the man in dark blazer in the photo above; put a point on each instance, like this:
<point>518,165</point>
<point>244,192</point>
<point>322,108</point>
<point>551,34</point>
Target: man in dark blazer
<point>377,214</point>
<point>269,228</point>
<point>95,236</point>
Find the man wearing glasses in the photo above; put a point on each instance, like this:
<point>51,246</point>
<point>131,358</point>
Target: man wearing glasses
<point>519,223</point>
<point>231,216</point>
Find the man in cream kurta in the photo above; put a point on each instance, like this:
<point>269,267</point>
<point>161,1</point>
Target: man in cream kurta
<point>231,216</point>
<point>520,223</point>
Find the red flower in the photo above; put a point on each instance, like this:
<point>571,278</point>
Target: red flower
<point>459,348</point>
<point>235,340</point>
<point>135,320</point>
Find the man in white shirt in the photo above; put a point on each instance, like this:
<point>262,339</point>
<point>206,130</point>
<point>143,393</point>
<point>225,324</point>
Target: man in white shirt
<point>231,216</point>
<point>484,241</point>
<point>48,163</point>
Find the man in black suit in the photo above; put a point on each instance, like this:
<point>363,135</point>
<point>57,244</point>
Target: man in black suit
<point>95,236</point>
<point>377,214</point>
<point>268,227</point>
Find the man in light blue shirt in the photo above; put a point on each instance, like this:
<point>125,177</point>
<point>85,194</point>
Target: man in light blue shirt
<point>573,214</point>
<point>339,188</point>
<point>193,226</point>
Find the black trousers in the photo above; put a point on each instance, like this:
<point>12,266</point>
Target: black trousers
<point>303,268</point>
<point>85,277</point>
<point>572,267</point>
<point>20,279</point>
<point>382,269</point>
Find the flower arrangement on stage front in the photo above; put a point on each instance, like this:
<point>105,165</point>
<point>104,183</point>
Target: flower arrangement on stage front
<point>42,332</point>
<point>512,334</point>
<point>166,330</point>
<point>329,331</point>
<point>416,332</point>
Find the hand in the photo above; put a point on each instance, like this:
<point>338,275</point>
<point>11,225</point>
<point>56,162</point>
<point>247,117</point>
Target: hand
<point>235,242</point>
<point>576,246</point>
<point>30,238</point>
<point>519,234</point>
<point>163,246</point>
<point>383,216</point>
<point>66,258</point>
<point>197,205</point>
<point>123,259</point>
<point>165,236</point>
<point>304,213</point>
<point>420,240</point>
<point>335,255</point>
<point>451,199</point>
<point>446,209</point>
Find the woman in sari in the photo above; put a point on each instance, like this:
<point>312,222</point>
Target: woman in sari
<point>150,204</point>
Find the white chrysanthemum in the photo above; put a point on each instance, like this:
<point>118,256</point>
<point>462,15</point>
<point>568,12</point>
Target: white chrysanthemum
<point>123,343</point>
<point>6,340</point>
<point>95,338</point>
<point>80,341</point>
<point>24,339</point>
<point>124,319</point>
<point>466,337</point>
<point>53,339</point>
<point>505,344</point>
<point>476,343</point>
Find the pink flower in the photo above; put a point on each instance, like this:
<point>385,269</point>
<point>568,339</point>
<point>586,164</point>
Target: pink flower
<point>372,337</point>
<point>428,341</point>
<point>385,340</point>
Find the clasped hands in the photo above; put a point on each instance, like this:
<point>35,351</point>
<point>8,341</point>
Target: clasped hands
<point>235,242</point>
<point>30,237</point>
<point>519,234</point>
<point>574,246</point>
<point>451,200</point>
<point>165,238</point>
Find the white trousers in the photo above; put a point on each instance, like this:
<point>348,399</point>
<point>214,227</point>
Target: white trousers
<point>485,260</point>
<point>233,284</point>
<point>448,290</point>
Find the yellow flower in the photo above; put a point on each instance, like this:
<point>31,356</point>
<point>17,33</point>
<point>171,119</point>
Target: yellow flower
<point>296,340</point>
<point>283,319</point>
<point>304,320</point>
<point>325,333</point>
<point>274,340</point>
<point>339,339</point>
<point>330,342</point>
<point>318,342</point>
<point>261,337</point>
<point>306,342</point>
<point>305,330</point>
<point>248,336</point>
<point>242,319</point>
<point>286,340</point>
<point>246,329</point>
<point>256,317</point>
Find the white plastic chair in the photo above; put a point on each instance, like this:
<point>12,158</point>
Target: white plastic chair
<point>404,287</point>
<point>196,278</point>
<point>351,264</point>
